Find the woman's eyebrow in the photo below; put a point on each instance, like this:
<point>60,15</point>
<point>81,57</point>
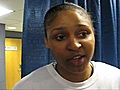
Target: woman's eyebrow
<point>82,25</point>
<point>58,28</point>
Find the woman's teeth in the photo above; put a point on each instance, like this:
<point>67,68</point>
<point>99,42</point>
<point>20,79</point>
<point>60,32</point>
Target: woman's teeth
<point>77,57</point>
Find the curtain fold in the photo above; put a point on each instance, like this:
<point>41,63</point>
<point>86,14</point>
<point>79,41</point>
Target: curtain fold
<point>118,30</point>
<point>109,30</point>
<point>114,23</point>
<point>34,53</point>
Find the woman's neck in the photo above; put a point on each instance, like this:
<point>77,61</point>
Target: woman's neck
<point>79,77</point>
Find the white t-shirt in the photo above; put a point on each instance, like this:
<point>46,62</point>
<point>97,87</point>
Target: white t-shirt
<point>46,78</point>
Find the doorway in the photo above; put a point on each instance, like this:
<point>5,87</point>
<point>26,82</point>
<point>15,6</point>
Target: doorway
<point>13,61</point>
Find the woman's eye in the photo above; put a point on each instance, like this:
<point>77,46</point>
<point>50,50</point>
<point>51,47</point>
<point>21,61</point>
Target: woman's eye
<point>83,34</point>
<point>60,37</point>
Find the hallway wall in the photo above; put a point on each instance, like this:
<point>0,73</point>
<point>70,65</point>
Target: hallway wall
<point>2,57</point>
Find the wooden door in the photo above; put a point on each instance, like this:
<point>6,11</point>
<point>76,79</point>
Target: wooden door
<point>13,61</point>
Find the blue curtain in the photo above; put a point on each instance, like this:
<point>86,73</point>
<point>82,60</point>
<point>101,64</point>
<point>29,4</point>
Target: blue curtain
<point>106,20</point>
<point>34,52</point>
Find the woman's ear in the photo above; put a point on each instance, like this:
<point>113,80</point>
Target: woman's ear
<point>46,42</point>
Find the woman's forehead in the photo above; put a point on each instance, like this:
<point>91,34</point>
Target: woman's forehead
<point>69,19</point>
<point>71,16</point>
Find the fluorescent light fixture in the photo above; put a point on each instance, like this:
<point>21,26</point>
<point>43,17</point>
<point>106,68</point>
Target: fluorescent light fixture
<point>11,28</point>
<point>4,11</point>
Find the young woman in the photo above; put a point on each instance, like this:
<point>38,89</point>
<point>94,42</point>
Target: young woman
<point>69,34</point>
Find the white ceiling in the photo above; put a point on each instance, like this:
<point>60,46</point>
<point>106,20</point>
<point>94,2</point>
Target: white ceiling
<point>14,19</point>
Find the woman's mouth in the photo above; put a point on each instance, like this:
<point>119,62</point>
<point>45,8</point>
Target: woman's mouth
<point>77,60</point>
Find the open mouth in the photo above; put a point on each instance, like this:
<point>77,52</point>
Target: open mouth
<point>78,57</point>
<point>77,60</point>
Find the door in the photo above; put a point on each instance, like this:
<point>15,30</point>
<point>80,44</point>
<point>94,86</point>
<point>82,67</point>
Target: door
<point>13,61</point>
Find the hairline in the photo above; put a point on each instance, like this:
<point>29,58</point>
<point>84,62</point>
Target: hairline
<point>63,7</point>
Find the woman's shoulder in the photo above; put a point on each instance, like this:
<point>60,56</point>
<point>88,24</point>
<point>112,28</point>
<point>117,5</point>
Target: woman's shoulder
<point>108,76</point>
<point>105,68</point>
<point>35,76</point>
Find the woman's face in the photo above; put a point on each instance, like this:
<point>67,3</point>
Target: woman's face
<point>70,38</point>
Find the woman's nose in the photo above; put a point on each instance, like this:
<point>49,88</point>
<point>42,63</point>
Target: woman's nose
<point>74,45</point>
